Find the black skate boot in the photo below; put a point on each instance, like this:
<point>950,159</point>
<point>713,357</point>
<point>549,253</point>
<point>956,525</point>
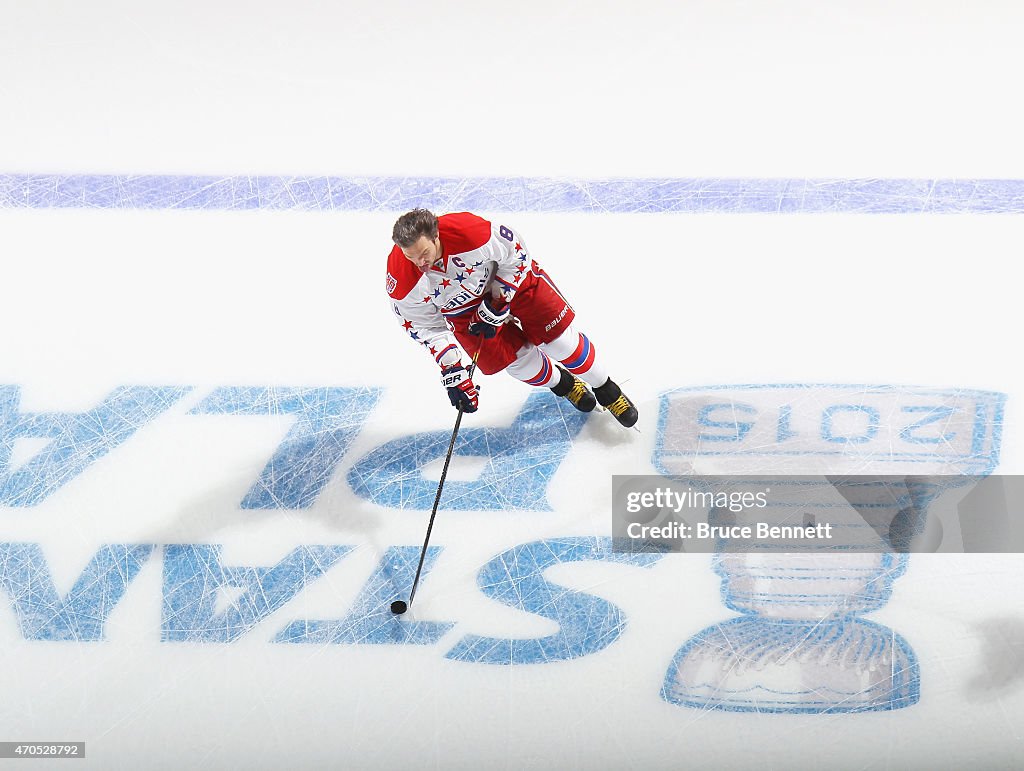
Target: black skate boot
<point>617,403</point>
<point>575,390</point>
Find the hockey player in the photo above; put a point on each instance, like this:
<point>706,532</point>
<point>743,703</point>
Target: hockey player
<point>459,280</point>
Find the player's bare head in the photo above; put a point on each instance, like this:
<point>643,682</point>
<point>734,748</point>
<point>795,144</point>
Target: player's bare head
<point>413,225</point>
<point>416,235</point>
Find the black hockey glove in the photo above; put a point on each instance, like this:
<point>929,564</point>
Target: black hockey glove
<point>490,316</point>
<point>461,390</point>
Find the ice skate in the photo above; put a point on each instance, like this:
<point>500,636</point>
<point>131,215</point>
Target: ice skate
<point>575,390</point>
<point>617,403</point>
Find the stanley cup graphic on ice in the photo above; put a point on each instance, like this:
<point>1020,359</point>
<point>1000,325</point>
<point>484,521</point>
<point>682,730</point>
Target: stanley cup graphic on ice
<point>801,642</point>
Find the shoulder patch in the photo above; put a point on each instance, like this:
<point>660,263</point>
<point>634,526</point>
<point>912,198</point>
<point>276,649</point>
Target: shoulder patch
<point>402,275</point>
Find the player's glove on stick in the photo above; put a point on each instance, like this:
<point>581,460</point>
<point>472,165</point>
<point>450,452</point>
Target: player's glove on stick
<point>461,390</point>
<point>490,316</point>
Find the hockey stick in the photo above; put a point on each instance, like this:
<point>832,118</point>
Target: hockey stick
<point>398,607</point>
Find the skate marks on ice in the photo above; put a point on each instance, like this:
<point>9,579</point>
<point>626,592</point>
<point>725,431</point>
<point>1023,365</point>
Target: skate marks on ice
<point>206,601</point>
<point>324,421</point>
<point>319,425</point>
<point>73,441</point>
<point>801,645</point>
<point>208,595</point>
<point>517,462</point>
<point>520,194</point>
<point>515,578</point>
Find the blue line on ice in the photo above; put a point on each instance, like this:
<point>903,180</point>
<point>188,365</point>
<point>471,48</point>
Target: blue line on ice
<point>522,194</point>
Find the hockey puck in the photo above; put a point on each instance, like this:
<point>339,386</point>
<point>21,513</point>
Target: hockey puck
<point>398,607</point>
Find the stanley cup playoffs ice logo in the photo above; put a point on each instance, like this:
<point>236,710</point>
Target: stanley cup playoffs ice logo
<point>800,644</point>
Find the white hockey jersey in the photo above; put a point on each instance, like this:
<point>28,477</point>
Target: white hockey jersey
<point>477,258</point>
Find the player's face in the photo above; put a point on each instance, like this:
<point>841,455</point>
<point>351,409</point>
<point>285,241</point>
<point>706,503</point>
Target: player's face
<point>423,253</point>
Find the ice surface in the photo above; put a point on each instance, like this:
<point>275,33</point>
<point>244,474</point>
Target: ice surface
<point>218,451</point>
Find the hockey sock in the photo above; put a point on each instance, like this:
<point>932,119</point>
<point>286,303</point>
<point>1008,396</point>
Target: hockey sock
<point>577,355</point>
<point>533,367</point>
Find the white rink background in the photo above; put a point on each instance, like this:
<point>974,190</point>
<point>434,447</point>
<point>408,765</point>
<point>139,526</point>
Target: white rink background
<point>95,299</point>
